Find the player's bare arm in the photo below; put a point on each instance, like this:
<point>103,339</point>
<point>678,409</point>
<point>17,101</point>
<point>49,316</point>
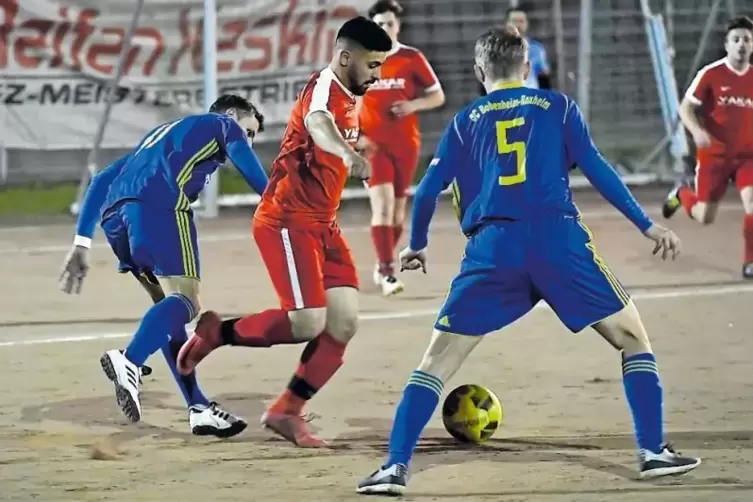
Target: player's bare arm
<point>326,136</point>
<point>428,101</point>
<point>690,116</point>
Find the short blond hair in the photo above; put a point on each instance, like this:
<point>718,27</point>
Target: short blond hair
<point>501,51</point>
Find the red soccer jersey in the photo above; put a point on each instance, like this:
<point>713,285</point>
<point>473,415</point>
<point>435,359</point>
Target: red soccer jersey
<point>405,75</point>
<point>726,99</point>
<point>306,182</point>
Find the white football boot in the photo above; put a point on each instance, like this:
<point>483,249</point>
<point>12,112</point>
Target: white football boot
<point>387,480</point>
<point>389,284</point>
<point>667,462</point>
<point>126,377</point>
<point>214,421</point>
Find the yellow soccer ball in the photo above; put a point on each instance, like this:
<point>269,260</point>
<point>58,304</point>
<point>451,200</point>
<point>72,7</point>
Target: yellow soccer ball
<point>472,413</point>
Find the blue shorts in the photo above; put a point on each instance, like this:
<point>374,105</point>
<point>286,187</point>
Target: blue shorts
<point>509,266</point>
<point>152,239</point>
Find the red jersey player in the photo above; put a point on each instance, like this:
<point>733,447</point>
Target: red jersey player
<point>389,126</point>
<point>308,261</point>
<point>718,112</point>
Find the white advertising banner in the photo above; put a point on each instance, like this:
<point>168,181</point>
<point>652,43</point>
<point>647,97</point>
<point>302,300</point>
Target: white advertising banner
<point>56,59</point>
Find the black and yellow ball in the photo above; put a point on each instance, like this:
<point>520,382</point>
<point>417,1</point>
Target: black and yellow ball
<point>472,413</point>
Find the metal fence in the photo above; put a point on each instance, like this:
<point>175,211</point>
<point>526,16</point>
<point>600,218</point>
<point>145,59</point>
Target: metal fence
<point>624,110</point>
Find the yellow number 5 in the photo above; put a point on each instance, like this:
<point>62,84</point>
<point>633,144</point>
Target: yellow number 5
<point>518,148</point>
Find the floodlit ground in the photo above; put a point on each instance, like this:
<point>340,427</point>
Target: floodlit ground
<point>567,434</point>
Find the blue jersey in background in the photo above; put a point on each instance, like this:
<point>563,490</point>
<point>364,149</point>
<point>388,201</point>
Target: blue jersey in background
<point>539,63</point>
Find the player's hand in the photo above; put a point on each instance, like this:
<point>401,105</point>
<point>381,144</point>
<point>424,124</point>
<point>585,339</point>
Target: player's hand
<point>358,166</point>
<point>74,270</point>
<point>403,108</point>
<point>702,138</point>
<point>665,240</point>
<point>412,260</point>
<point>365,146</point>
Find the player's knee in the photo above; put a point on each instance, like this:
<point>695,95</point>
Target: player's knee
<point>446,353</point>
<point>625,331</point>
<point>307,323</point>
<point>382,204</point>
<point>707,218</point>
<point>186,287</point>
<point>343,326</point>
<point>704,213</point>
<point>196,304</point>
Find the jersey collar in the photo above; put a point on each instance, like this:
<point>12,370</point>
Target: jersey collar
<point>395,47</point>
<point>328,71</point>
<point>732,69</point>
<point>507,85</point>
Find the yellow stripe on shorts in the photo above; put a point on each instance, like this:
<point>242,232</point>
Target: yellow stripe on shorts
<point>182,205</point>
<point>456,199</point>
<point>186,244</point>
<point>608,275</point>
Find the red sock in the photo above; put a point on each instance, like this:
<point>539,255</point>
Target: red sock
<point>384,243</point>
<point>748,237</point>
<point>271,327</point>
<point>688,199</point>
<point>398,232</point>
<point>320,360</point>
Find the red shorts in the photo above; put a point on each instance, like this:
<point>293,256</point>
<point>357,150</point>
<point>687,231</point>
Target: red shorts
<point>305,262</point>
<point>713,174</point>
<point>396,165</point>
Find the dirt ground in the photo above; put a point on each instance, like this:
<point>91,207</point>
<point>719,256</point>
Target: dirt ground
<point>567,432</point>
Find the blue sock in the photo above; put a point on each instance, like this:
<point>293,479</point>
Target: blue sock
<point>640,376</point>
<point>187,384</point>
<point>420,399</point>
<point>166,316</point>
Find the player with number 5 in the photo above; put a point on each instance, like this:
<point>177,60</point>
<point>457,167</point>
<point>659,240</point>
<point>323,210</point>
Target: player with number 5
<point>507,156</point>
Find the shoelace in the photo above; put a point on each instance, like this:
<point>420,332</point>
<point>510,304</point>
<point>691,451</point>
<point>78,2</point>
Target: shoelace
<point>143,370</point>
<point>670,449</point>
<point>401,470</point>
<point>219,412</point>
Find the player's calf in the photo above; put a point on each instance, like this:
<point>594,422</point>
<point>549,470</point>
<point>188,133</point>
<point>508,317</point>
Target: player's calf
<point>166,316</point>
<point>319,361</point>
<point>382,198</point>
<point>444,356</point>
<point>264,329</point>
<point>625,331</point>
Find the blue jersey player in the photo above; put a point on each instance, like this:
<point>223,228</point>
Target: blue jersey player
<point>507,156</point>
<point>143,202</point>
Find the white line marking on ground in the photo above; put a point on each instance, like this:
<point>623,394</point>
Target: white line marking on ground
<point>209,238</point>
<point>410,314</point>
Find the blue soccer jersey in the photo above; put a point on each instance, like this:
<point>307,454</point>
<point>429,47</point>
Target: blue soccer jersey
<point>172,164</point>
<point>144,199</point>
<point>507,157</point>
